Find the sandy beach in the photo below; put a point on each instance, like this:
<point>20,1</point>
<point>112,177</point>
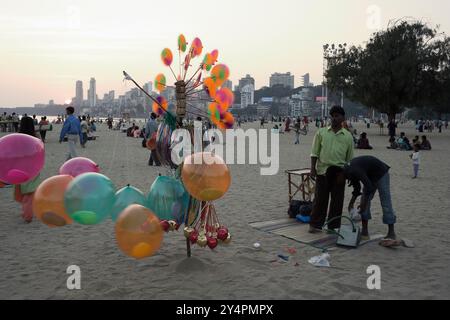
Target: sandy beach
<point>34,258</point>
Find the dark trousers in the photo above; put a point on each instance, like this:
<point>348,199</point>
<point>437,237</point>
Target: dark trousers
<point>43,134</point>
<point>154,159</point>
<point>325,187</point>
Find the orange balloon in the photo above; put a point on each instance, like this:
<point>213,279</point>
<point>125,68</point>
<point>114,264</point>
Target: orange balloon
<point>138,232</point>
<point>210,87</point>
<point>205,176</point>
<point>48,201</point>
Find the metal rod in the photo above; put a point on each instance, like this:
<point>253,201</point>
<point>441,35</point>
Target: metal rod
<point>128,77</point>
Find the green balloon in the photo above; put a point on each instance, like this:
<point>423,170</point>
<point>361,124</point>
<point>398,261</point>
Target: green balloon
<point>90,198</point>
<point>168,199</point>
<point>126,197</point>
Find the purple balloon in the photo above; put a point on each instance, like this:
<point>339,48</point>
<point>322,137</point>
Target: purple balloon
<point>22,157</point>
<point>77,166</point>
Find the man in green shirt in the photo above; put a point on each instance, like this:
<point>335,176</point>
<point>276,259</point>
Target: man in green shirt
<point>332,147</point>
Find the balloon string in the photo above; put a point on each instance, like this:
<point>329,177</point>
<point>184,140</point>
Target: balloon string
<point>176,79</point>
<point>200,68</point>
<point>192,91</point>
<point>113,156</point>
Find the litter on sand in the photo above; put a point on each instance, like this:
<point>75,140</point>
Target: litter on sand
<point>321,261</point>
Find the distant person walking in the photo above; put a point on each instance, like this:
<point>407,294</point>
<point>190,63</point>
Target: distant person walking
<point>43,127</point>
<point>151,129</point>
<point>84,131</point>
<point>72,130</point>
<point>415,157</point>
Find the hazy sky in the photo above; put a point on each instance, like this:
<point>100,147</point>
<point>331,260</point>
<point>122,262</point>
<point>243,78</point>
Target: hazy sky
<point>47,45</point>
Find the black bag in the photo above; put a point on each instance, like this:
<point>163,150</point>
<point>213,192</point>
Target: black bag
<point>305,209</point>
<point>144,143</point>
<point>295,208</point>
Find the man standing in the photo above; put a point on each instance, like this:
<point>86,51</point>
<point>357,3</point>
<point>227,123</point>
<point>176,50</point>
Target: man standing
<point>392,126</point>
<point>374,175</point>
<point>150,129</point>
<point>332,147</point>
<point>72,129</point>
<point>84,131</point>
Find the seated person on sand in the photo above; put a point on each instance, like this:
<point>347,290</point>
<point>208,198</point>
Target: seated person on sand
<point>363,142</point>
<point>374,175</point>
<point>425,145</point>
<point>137,132</point>
<point>403,142</point>
<point>392,143</point>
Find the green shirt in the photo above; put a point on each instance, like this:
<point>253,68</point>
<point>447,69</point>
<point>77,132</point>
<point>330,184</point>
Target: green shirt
<point>332,149</point>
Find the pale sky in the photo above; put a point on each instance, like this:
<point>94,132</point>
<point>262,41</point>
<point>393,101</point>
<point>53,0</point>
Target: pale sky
<point>47,45</point>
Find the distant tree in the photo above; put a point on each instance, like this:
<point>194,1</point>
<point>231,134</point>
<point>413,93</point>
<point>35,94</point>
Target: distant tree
<point>391,72</point>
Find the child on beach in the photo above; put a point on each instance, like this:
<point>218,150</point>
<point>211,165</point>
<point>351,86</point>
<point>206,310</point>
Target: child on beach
<point>24,192</point>
<point>416,160</point>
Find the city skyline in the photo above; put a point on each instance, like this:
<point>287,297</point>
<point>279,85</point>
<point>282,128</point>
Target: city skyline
<point>50,45</point>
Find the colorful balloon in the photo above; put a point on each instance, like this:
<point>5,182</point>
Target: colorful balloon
<point>160,82</point>
<point>160,107</point>
<point>214,113</point>
<point>126,197</point>
<point>226,121</point>
<point>215,55</point>
<point>138,232</point>
<point>197,47</point>
<point>77,166</point>
<point>168,199</point>
<point>205,176</point>
<point>89,198</point>
<point>220,74</point>
<point>225,99</point>
<point>48,201</point>
<point>167,57</point>
<point>210,86</point>
<point>22,157</point>
<point>208,61</point>
<point>182,43</point>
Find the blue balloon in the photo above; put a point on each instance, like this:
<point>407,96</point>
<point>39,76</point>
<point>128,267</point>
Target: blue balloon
<point>90,198</point>
<point>126,197</point>
<point>168,199</point>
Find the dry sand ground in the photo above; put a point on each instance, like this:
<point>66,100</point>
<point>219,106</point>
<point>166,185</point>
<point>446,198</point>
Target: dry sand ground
<point>34,258</point>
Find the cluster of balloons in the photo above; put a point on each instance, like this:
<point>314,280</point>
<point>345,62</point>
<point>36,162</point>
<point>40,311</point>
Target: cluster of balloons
<point>213,83</point>
<point>83,195</point>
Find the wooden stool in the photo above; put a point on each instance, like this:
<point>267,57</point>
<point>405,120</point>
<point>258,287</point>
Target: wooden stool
<point>300,180</point>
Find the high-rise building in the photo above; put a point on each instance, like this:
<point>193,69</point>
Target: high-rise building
<point>246,81</point>
<point>247,95</point>
<point>228,84</point>
<point>79,94</point>
<point>284,79</point>
<point>306,80</point>
<point>92,93</point>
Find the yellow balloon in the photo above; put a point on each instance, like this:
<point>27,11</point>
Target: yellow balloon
<point>138,232</point>
<point>205,176</point>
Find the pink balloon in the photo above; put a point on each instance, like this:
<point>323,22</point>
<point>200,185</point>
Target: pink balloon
<point>22,157</point>
<point>77,166</point>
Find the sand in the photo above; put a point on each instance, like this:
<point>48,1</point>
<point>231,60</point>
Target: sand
<point>34,258</point>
